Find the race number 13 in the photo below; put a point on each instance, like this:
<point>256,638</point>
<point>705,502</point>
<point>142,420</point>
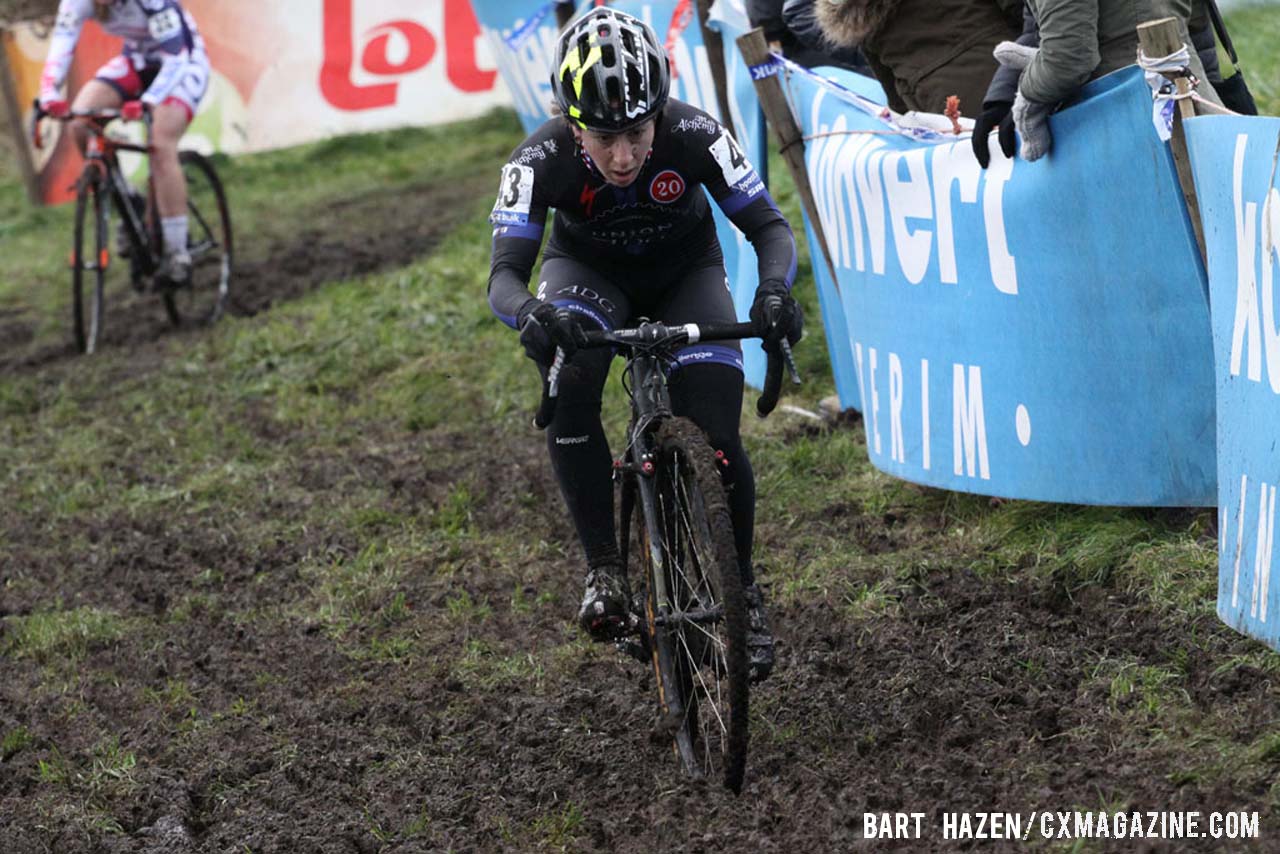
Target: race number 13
<point>515,195</point>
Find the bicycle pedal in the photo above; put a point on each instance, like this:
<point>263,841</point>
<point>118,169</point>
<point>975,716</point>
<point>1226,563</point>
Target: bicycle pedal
<point>634,649</point>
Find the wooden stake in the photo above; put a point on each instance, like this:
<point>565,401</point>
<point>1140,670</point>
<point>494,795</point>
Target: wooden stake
<point>15,112</point>
<point>1163,38</point>
<point>777,110</point>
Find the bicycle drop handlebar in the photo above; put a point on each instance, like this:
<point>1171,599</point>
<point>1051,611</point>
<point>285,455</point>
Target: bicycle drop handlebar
<point>656,335</point>
<point>103,116</point>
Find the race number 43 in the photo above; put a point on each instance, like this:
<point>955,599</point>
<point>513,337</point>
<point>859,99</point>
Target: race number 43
<point>514,195</point>
<point>733,163</point>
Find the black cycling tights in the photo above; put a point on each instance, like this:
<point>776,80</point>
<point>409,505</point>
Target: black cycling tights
<point>708,394</point>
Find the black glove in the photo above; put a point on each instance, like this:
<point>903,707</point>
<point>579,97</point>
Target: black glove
<point>776,316</point>
<point>545,327</point>
<point>994,114</point>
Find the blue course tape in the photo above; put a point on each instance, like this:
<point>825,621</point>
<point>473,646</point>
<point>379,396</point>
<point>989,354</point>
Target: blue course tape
<point>866,105</point>
<point>766,69</point>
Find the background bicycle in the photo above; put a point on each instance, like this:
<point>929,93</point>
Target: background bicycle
<point>103,189</point>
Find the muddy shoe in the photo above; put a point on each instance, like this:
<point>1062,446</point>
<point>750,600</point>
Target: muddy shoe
<point>174,272</point>
<point>759,638</point>
<point>603,614</point>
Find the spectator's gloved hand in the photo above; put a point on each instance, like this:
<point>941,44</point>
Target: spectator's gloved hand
<point>545,327</point>
<point>132,111</point>
<point>776,315</point>
<point>1014,55</point>
<point>54,106</point>
<point>995,114</point>
<point>1032,119</point>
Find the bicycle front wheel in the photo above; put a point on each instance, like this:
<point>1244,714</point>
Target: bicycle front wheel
<point>695,609</point>
<point>89,259</point>
<point>209,244</point>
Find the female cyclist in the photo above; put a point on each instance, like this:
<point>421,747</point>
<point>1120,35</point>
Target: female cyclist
<point>624,166</point>
<point>163,68</point>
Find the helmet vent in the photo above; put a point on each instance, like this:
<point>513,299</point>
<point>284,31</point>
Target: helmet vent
<point>611,72</point>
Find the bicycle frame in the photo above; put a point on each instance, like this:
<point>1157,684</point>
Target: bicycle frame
<point>101,153</point>
<point>102,164</point>
<point>650,403</point>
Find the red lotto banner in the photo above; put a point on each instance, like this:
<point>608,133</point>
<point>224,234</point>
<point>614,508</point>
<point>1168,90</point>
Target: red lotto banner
<point>286,73</point>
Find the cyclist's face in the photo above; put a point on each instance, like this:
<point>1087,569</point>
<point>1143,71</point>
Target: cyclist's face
<point>619,156</point>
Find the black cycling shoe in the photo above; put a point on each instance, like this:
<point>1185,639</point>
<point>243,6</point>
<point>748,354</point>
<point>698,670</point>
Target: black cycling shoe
<point>759,639</point>
<point>603,614</point>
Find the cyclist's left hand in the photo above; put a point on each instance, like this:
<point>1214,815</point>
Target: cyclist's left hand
<point>776,315</point>
<point>132,111</point>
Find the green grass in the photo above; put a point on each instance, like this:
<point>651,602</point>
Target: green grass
<point>1255,30</point>
<point>61,636</point>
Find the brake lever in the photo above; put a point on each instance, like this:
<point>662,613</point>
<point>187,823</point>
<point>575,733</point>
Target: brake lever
<point>790,362</point>
<point>37,138</point>
<point>550,391</point>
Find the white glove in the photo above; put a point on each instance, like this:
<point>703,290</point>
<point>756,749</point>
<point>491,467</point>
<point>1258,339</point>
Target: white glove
<point>1031,118</point>
<point>1014,55</point>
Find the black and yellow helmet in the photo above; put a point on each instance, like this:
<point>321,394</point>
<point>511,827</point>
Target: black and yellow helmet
<point>610,72</point>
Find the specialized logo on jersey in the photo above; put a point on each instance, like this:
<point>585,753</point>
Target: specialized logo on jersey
<point>515,195</point>
<point>588,197</point>
<point>666,186</point>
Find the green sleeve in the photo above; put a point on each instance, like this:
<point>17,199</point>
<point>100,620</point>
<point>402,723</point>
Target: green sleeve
<point>1068,50</point>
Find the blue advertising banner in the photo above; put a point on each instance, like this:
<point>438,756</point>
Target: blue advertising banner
<point>523,38</point>
<point>1234,161</point>
<point>1032,330</point>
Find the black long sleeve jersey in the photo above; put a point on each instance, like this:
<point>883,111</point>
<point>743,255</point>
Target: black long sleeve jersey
<point>662,222</point>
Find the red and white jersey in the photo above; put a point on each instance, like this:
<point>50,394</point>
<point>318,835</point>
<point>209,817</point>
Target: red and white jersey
<point>155,32</point>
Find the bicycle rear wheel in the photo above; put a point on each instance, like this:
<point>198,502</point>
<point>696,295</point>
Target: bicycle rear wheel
<point>209,243</point>
<point>89,259</point>
<point>695,611</point>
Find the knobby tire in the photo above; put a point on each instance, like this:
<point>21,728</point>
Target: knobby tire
<point>700,668</point>
<point>209,241</point>
<point>88,267</point>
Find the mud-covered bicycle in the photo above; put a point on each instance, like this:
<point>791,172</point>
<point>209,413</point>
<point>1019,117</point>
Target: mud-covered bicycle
<point>689,613</point>
<point>102,186</point>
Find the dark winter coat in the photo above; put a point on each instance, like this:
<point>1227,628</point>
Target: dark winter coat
<point>801,18</point>
<point>779,25</point>
<point>925,50</point>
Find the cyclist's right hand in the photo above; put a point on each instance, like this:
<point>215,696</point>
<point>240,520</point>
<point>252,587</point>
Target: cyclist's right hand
<point>132,111</point>
<point>777,317</point>
<point>57,108</point>
<point>546,327</point>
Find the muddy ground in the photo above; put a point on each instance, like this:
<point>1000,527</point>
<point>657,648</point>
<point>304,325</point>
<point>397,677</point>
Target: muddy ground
<point>334,242</point>
<point>971,695</point>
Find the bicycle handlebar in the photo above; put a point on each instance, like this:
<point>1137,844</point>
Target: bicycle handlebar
<point>689,333</point>
<point>101,115</point>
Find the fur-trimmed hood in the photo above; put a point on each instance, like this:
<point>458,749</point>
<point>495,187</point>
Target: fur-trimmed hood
<point>848,23</point>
